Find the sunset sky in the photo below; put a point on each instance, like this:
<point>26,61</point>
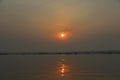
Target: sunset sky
<point>36,25</point>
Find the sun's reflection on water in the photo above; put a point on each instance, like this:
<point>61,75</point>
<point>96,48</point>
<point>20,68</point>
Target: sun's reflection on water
<point>63,68</point>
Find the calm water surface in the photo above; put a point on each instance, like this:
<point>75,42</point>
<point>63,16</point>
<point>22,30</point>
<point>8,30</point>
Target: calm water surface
<point>60,67</point>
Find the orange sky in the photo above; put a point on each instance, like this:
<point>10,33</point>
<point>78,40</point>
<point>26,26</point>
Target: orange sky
<point>33,25</point>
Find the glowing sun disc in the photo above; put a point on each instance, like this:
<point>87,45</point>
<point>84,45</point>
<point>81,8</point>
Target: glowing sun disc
<point>62,35</point>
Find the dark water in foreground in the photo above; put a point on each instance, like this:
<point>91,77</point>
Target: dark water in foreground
<point>60,67</point>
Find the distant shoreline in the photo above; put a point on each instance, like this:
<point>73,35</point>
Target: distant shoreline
<point>62,53</point>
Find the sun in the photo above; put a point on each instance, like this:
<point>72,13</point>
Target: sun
<point>62,35</point>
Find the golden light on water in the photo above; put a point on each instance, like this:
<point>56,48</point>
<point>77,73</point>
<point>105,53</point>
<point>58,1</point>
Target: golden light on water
<point>63,69</point>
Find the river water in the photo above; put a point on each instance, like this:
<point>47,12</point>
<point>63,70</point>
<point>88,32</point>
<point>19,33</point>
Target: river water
<point>60,67</point>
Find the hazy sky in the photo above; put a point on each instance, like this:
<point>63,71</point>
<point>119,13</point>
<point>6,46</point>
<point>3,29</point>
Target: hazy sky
<point>31,25</point>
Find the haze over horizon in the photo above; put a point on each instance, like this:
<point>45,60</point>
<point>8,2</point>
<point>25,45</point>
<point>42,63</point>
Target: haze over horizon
<point>32,25</point>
